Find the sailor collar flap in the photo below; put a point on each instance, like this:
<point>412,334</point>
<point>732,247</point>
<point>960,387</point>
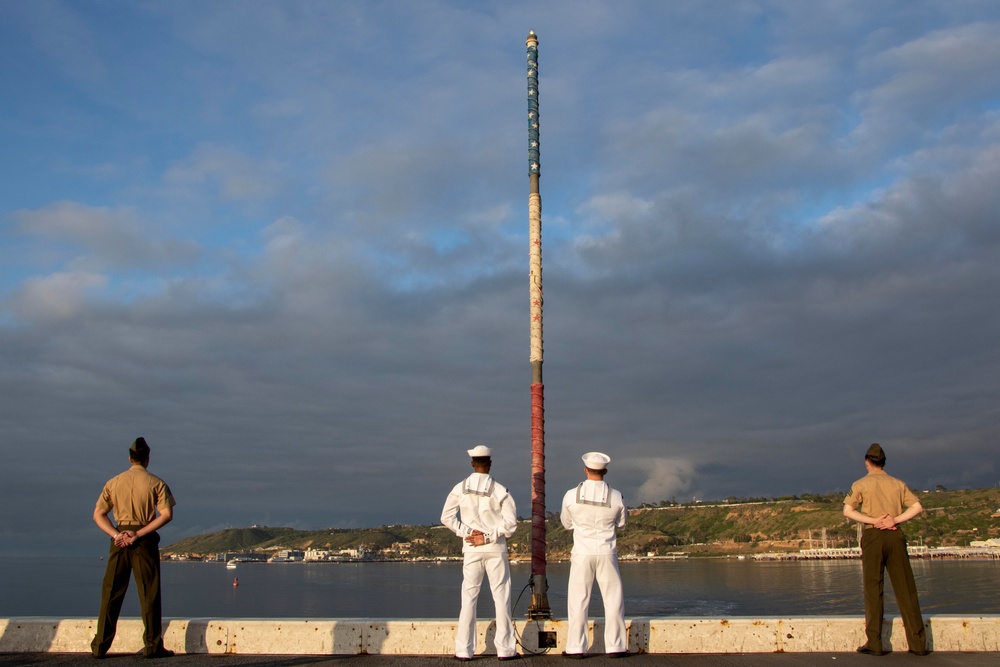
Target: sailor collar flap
<point>593,494</point>
<point>478,485</point>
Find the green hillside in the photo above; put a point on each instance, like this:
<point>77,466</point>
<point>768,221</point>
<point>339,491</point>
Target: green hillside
<point>710,528</point>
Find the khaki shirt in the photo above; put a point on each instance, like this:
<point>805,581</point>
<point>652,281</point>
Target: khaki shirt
<point>135,495</point>
<point>879,493</point>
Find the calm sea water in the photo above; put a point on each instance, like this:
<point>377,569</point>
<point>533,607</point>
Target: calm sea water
<point>68,587</point>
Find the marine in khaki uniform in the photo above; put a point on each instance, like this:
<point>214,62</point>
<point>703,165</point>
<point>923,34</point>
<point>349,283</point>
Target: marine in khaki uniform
<point>881,503</point>
<point>594,512</point>
<point>482,513</point>
<point>142,504</point>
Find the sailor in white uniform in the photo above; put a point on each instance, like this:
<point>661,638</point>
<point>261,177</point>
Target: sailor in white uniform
<point>488,518</point>
<point>594,511</point>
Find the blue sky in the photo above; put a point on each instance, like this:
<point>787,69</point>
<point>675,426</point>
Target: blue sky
<point>287,243</point>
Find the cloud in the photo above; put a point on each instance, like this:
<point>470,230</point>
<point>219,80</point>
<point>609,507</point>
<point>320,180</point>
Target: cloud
<point>916,85</point>
<point>940,65</point>
<point>58,296</point>
<point>228,173</point>
<point>758,247</point>
<point>666,478</point>
<point>109,237</point>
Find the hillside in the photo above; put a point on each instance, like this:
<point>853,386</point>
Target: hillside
<point>734,526</point>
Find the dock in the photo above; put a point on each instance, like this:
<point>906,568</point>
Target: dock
<point>435,637</point>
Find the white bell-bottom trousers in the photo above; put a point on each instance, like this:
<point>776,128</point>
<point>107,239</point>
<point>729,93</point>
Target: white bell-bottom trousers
<point>497,568</point>
<point>583,571</point>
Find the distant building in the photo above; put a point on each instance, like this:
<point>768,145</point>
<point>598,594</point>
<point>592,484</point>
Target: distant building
<point>990,543</point>
<point>330,555</point>
<point>242,557</point>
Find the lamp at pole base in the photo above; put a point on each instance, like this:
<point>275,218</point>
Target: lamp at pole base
<point>539,608</point>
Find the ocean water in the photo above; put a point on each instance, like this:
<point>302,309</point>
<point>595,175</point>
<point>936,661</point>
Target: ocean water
<point>70,587</point>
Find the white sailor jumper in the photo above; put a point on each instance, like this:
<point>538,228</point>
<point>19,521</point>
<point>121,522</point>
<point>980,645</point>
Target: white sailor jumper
<point>594,511</point>
<point>480,503</point>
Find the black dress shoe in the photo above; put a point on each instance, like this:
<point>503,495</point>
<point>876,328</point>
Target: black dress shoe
<point>516,656</point>
<point>158,653</point>
<point>619,654</point>
<point>574,656</point>
<point>923,652</point>
<point>868,651</point>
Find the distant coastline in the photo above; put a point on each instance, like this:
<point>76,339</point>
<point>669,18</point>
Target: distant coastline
<point>989,552</point>
<point>955,524</point>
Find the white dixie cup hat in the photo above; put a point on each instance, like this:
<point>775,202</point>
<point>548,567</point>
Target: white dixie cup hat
<point>596,460</point>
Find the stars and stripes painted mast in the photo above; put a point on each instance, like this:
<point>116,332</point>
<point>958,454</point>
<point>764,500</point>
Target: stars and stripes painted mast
<point>539,586</point>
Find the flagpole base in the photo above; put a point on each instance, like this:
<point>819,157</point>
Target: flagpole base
<point>539,608</point>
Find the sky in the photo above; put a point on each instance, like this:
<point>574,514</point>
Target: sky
<point>287,243</point>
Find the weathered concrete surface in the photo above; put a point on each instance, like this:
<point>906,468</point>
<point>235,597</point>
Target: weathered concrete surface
<point>675,635</point>
<point>551,660</point>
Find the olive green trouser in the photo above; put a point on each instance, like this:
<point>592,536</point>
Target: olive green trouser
<point>883,550</point>
<point>141,559</point>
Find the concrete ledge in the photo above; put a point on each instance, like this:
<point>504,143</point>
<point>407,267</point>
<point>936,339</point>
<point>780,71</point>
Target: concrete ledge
<point>437,637</point>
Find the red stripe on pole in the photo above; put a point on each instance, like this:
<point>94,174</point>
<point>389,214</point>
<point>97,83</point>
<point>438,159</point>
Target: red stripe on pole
<point>538,478</point>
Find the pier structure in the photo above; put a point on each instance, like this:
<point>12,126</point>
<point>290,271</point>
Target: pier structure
<point>430,637</point>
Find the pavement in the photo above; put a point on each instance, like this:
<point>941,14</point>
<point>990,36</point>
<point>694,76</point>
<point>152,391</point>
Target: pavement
<point>896,659</point>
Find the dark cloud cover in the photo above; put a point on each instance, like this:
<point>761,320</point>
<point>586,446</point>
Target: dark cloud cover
<point>287,243</point>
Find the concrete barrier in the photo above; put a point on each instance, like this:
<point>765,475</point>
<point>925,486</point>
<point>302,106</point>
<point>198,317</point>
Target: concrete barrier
<point>437,637</point>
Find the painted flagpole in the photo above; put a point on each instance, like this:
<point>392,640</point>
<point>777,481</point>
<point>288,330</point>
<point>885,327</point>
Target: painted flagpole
<point>539,586</point>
